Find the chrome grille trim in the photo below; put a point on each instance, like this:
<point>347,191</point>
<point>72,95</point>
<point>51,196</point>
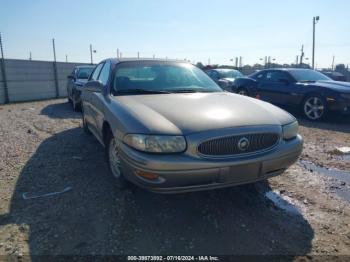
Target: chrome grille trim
<point>228,145</point>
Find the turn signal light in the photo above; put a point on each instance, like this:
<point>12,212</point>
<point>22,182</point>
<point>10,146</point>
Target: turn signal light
<point>147,175</point>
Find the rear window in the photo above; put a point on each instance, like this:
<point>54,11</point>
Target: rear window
<point>84,73</point>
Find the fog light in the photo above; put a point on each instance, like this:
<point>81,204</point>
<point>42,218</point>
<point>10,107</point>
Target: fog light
<point>146,175</point>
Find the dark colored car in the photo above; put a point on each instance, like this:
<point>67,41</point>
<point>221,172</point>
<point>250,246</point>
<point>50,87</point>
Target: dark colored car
<point>224,77</point>
<point>76,81</point>
<point>312,92</point>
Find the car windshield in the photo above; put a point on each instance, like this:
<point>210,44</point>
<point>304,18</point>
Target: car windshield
<point>230,74</point>
<point>84,72</point>
<point>161,77</point>
<point>308,75</point>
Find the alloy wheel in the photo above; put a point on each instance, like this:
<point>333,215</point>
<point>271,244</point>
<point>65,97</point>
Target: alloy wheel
<point>114,158</point>
<point>314,108</point>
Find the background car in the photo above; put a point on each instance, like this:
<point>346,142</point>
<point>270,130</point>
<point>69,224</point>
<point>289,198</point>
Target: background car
<point>76,81</point>
<point>224,77</point>
<point>312,92</point>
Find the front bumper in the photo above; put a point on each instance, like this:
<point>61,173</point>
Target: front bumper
<point>340,106</point>
<point>184,173</point>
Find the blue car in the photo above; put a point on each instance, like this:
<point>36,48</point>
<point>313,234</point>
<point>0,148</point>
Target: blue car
<point>76,81</point>
<point>314,93</point>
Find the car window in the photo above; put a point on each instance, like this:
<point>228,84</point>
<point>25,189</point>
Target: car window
<point>230,73</point>
<point>84,72</point>
<point>214,74</point>
<point>96,72</point>
<point>260,76</point>
<point>276,76</point>
<point>104,75</point>
<point>308,75</point>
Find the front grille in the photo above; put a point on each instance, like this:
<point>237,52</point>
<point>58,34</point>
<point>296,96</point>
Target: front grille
<point>234,145</point>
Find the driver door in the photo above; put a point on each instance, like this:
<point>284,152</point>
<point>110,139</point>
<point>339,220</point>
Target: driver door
<point>275,87</point>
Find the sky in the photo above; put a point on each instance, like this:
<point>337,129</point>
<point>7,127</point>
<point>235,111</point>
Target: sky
<point>197,30</point>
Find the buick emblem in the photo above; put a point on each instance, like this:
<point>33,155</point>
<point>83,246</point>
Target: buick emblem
<point>243,144</point>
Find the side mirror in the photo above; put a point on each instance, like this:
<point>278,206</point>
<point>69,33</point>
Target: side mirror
<point>94,86</point>
<point>70,76</point>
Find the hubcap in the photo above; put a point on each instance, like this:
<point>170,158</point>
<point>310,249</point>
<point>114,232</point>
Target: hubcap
<point>114,160</point>
<point>314,108</point>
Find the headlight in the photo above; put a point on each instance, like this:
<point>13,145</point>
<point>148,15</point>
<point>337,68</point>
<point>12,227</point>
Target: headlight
<point>290,131</point>
<point>156,144</point>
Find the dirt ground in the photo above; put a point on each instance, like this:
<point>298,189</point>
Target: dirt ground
<point>304,212</point>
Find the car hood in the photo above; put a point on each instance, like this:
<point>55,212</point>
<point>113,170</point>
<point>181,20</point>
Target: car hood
<point>197,112</point>
<point>335,85</point>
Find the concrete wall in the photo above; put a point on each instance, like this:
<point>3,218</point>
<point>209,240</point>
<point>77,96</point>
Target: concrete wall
<point>2,89</point>
<point>34,80</point>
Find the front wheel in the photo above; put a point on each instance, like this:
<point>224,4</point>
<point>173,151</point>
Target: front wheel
<point>85,126</point>
<point>68,97</point>
<point>75,104</point>
<point>114,162</point>
<point>314,107</point>
<point>243,91</point>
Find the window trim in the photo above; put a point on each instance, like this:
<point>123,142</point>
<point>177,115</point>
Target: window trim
<point>90,79</point>
<point>109,72</point>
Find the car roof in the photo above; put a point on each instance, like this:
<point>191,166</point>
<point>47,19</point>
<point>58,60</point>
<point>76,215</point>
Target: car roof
<point>84,66</point>
<point>224,69</point>
<point>287,69</point>
<point>120,60</point>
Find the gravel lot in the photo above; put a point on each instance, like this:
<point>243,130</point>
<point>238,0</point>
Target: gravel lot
<point>43,149</point>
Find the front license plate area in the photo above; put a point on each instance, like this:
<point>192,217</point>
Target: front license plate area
<point>239,173</point>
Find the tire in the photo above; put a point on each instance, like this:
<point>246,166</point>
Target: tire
<point>68,97</point>
<point>242,91</point>
<point>113,161</point>
<point>314,107</point>
<point>85,126</point>
<point>76,106</point>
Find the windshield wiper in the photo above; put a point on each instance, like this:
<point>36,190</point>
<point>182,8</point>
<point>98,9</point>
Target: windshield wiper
<point>141,91</point>
<point>307,81</point>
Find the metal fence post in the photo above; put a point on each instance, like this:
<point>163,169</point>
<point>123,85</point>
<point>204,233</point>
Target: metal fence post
<point>55,68</point>
<point>3,73</point>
